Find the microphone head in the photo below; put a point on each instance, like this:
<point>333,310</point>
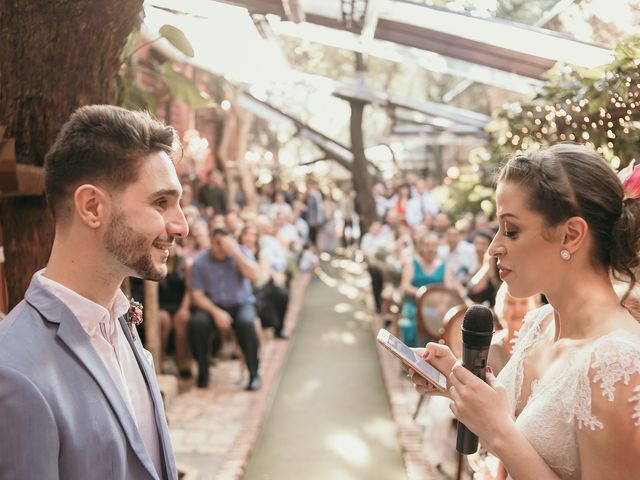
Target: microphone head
<point>478,318</point>
<point>477,326</point>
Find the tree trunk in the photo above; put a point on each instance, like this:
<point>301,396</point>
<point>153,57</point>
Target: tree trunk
<point>56,56</point>
<point>362,182</point>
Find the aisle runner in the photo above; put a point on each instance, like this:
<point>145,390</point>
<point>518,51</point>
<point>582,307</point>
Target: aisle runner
<point>330,417</point>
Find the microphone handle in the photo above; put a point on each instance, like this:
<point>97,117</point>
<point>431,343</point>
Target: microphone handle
<point>474,360</point>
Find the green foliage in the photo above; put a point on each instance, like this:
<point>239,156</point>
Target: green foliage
<point>184,89</point>
<point>134,96</point>
<point>177,39</point>
<point>598,107</point>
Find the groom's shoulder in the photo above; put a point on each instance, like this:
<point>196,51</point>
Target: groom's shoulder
<point>19,332</point>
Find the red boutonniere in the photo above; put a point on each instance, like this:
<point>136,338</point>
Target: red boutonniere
<point>134,316</point>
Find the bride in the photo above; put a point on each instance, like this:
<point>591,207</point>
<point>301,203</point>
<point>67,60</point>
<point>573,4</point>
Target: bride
<point>567,404</point>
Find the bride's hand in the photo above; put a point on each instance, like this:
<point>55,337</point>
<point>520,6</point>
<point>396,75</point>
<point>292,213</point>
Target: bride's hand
<point>482,407</point>
<point>441,357</point>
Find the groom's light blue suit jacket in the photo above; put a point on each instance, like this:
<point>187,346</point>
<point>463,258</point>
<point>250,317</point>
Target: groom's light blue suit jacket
<point>61,415</point>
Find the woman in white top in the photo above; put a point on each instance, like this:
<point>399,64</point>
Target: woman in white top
<point>567,404</point>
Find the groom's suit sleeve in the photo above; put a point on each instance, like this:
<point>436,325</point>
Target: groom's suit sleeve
<point>29,443</point>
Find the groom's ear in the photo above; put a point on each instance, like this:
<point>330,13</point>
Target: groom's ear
<point>92,205</point>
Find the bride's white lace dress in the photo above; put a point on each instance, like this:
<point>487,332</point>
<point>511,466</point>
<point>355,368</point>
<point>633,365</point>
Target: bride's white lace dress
<point>560,401</point>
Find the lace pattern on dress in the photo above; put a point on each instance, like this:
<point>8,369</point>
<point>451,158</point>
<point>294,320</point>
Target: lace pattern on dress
<point>615,359</point>
<point>527,336</point>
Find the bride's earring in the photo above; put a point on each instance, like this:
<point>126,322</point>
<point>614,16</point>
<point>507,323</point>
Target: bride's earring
<point>565,255</point>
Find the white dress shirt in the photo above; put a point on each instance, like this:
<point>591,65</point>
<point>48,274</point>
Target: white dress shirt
<point>112,347</point>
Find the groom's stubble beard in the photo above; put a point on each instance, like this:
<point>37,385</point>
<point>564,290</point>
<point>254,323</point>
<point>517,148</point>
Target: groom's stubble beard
<point>132,249</point>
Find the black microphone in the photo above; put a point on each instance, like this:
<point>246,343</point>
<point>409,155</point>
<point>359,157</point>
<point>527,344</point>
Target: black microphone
<point>477,330</point>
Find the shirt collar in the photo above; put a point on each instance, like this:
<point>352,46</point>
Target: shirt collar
<point>88,313</point>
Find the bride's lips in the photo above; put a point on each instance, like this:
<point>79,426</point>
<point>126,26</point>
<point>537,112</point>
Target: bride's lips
<point>503,271</point>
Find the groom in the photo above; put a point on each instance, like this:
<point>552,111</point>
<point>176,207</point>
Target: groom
<point>78,394</point>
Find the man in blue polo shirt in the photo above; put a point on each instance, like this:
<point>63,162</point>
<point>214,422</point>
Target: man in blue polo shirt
<point>221,288</point>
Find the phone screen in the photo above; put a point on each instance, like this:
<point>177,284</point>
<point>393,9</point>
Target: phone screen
<point>425,369</point>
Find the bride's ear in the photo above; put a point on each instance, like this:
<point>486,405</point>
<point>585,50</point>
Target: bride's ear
<point>574,234</point>
<point>91,205</point>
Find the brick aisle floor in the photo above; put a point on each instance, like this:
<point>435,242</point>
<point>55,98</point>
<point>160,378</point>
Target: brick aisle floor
<point>213,429</point>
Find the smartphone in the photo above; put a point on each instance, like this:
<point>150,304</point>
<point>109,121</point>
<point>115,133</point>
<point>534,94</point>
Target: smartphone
<point>410,359</point>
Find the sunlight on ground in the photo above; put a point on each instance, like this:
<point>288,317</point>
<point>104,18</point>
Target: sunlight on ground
<point>342,337</point>
<point>349,291</point>
<point>343,308</point>
<point>361,316</point>
<point>383,430</point>
<point>327,280</point>
<point>349,447</point>
<point>306,390</point>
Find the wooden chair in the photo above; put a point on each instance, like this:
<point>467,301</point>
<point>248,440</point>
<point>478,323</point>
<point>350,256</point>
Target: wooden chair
<point>452,336</point>
<point>432,304</point>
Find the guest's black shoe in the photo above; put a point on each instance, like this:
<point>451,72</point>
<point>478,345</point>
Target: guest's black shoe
<point>282,336</point>
<point>254,383</point>
<point>203,381</point>
<point>185,373</point>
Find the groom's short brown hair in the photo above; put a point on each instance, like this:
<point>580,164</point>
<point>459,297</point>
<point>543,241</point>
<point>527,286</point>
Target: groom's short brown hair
<point>101,144</point>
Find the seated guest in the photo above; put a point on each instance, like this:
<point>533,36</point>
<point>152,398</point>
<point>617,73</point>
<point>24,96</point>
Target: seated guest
<point>458,254</point>
<point>272,249</point>
<point>279,205</point>
<point>174,302</point>
<point>287,233</point>
<point>424,268</point>
<point>484,282</point>
<point>197,241</point>
<point>510,312</point>
<point>233,222</point>
<point>220,285</point>
<point>272,299</point>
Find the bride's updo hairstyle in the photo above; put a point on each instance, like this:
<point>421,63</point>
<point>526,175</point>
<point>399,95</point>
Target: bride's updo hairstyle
<point>568,180</point>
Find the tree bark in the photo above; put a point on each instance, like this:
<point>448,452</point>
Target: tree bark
<point>362,182</point>
<point>56,56</point>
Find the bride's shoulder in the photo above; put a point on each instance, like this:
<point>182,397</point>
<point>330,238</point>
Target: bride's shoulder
<point>612,379</point>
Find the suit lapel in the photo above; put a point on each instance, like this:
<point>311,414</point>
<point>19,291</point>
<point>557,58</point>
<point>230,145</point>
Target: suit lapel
<point>70,332</point>
<point>168,462</point>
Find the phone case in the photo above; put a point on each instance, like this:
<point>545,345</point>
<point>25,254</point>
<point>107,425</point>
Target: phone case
<point>410,359</point>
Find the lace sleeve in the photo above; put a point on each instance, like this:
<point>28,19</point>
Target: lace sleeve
<point>610,385</point>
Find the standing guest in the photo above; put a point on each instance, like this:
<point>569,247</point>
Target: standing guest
<point>279,205</point>
<point>315,211</point>
<point>212,195</point>
<point>566,404</point>
<point>375,245</point>
<point>220,283</point>
<point>78,394</point>
<point>382,202</point>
